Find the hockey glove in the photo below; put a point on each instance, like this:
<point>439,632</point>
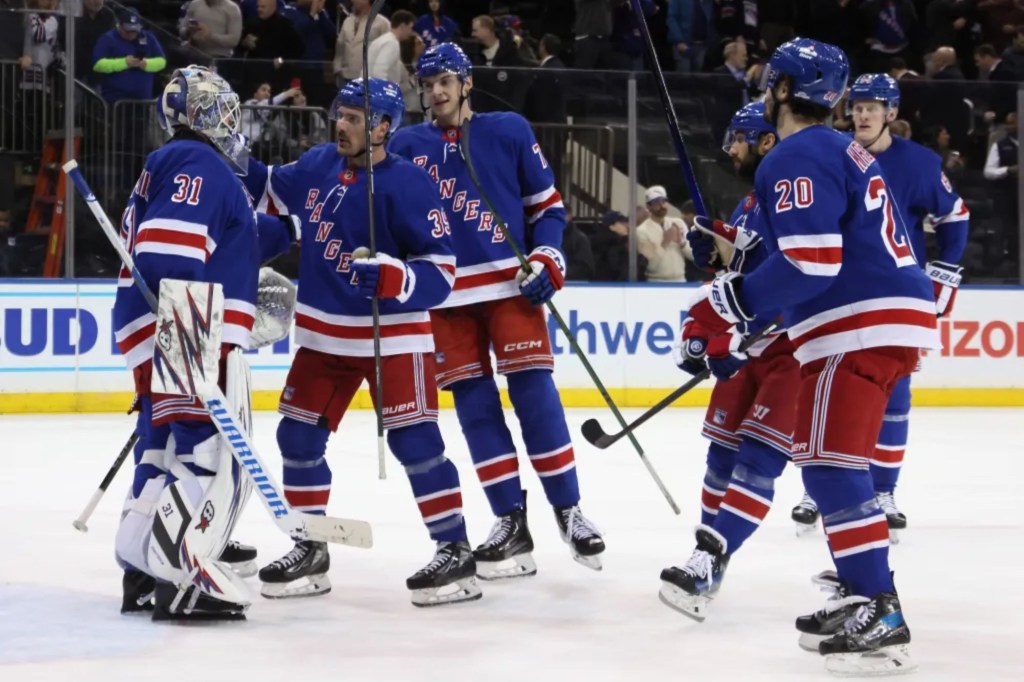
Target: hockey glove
<point>691,345</point>
<point>546,275</point>
<point>718,306</point>
<point>745,243</point>
<point>383,276</point>
<point>945,279</point>
<point>724,357</point>
<point>704,249</point>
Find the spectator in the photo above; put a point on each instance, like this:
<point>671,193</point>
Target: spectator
<point>96,20</point>
<point>304,127</point>
<point>525,45</point>
<point>1001,169</point>
<point>610,247</point>
<point>348,50</point>
<point>434,27</point>
<point>911,88</point>
<point>212,26</point>
<point>889,27</point>
<point>268,41</point>
<point>385,57</point>
<point>545,102</point>
<point>948,24</point>
<point>736,66</point>
<point>494,89</point>
<point>41,51</point>
<point>1001,18</point>
<point>901,128</point>
<point>256,112</point>
<point>936,138</point>
<point>627,41</point>
<point>1014,54</point>
<point>944,104</point>
<point>1002,90</point>
<point>662,240</point>
<point>316,31</point>
<point>592,28</point>
<point>734,20</point>
<point>680,20</point>
<point>579,259</point>
<point>128,57</point>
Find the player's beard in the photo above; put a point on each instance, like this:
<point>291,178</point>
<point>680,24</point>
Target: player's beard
<point>748,167</point>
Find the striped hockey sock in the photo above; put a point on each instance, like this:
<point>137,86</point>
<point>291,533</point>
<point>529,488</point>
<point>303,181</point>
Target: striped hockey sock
<point>716,479</point>
<point>750,493</point>
<point>434,479</point>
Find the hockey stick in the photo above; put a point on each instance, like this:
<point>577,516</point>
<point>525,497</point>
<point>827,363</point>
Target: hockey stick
<point>378,378</point>
<point>296,524</point>
<point>80,522</point>
<point>465,149</point>
<point>670,113</point>
<point>596,435</point>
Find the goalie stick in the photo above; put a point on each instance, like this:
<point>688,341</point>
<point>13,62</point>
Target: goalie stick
<point>595,434</point>
<point>80,522</point>
<point>464,149</point>
<point>352,532</point>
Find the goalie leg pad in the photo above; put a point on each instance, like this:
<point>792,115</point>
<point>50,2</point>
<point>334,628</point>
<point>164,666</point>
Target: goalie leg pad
<point>131,544</point>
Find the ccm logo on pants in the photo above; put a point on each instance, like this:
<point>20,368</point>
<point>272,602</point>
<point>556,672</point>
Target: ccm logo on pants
<point>522,345</point>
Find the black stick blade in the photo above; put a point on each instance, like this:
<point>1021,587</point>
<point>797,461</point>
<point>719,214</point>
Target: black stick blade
<point>595,435</point>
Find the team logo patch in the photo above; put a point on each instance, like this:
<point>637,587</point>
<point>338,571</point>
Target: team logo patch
<point>696,347</point>
<point>719,416</point>
<point>163,337</point>
<point>439,357</point>
<point>206,517</point>
<point>288,394</point>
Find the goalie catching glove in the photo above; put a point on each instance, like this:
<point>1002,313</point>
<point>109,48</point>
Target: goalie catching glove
<point>946,279</point>
<point>545,276</point>
<point>383,275</point>
<point>275,308</point>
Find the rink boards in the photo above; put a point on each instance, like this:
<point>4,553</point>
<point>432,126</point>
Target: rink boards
<point>57,352</point>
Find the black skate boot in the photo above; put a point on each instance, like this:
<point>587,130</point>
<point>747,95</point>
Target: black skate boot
<point>583,537</point>
<point>806,515</point>
<point>689,589</point>
<point>241,558</point>
<point>191,604</point>
<point>827,621</point>
<point>506,551</point>
<point>874,641</point>
<point>449,578</point>
<point>896,519</point>
<point>301,572</point>
<point>137,592</point>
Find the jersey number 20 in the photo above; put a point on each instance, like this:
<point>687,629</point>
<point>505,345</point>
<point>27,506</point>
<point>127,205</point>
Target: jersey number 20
<point>893,237</point>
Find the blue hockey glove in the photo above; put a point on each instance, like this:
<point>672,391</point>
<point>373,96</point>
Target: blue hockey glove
<point>546,275</point>
<point>383,276</point>
<point>704,249</point>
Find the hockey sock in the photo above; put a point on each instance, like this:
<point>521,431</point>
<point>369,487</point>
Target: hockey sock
<point>478,407</point>
<point>434,479</point>
<point>149,449</point>
<point>716,479</point>
<point>545,433</point>
<point>892,439</point>
<point>858,535</point>
<point>307,477</point>
<point>751,490</point>
<point>190,439</point>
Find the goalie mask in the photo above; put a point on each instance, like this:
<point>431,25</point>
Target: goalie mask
<point>198,99</point>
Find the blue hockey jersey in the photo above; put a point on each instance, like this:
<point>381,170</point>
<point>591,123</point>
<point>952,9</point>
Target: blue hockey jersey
<point>841,268</point>
<point>330,198</point>
<point>189,217</point>
<point>515,177</point>
<point>924,193</point>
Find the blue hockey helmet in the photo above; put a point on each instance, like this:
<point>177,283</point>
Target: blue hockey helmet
<point>385,100</point>
<point>817,71</point>
<point>880,87</point>
<point>750,122</point>
<point>444,58</point>
<point>198,99</point>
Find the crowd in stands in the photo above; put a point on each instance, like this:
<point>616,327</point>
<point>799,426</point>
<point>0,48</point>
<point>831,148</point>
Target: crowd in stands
<point>294,55</point>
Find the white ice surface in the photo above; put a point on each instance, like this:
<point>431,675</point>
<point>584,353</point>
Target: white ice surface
<point>958,569</point>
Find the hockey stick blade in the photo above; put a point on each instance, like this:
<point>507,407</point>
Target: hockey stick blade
<point>595,435</point>
<point>351,532</point>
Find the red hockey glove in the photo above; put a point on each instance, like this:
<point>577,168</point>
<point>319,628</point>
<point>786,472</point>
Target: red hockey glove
<point>690,347</point>
<point>546,276</point>
<point>718,306</point>
<point>383,276</point>
<point>945,279</point>
<point>725,358</point>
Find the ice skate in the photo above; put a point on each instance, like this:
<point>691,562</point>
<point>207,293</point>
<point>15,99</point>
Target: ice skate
<point>241,558</point>
<point>449,578</point>
<point>191,604</point>
<point>805,514</point>
<point>828,620</point>
<point>302,572</point>
<point>896,519</point>
<point>582,536</point>
<point>690,589</point>
<point>506,551</point>
<point>874,641</point>
<point>137,591</point>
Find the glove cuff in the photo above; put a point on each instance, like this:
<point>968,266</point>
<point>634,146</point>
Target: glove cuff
<point>947,274</point>
<point>552,260</point>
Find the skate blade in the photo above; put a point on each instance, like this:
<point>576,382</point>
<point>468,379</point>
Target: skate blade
<point>310,586</point>
<point>244,569</point>
<point>810,642</point>
<point>891,660</point>
<point>804,529</point>
<point>462,590</point>
<point>894,535</point>
<point>518,566</point>
<point>682,601</point>
<point>591,562</point>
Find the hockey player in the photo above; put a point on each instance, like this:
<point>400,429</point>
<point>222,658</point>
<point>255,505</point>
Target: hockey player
<point>924,195</point>
<point>750,417</point>
<point>496,305</point>
<point>189,217</point>
<point>413,270</point>
<point>858,309</point>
